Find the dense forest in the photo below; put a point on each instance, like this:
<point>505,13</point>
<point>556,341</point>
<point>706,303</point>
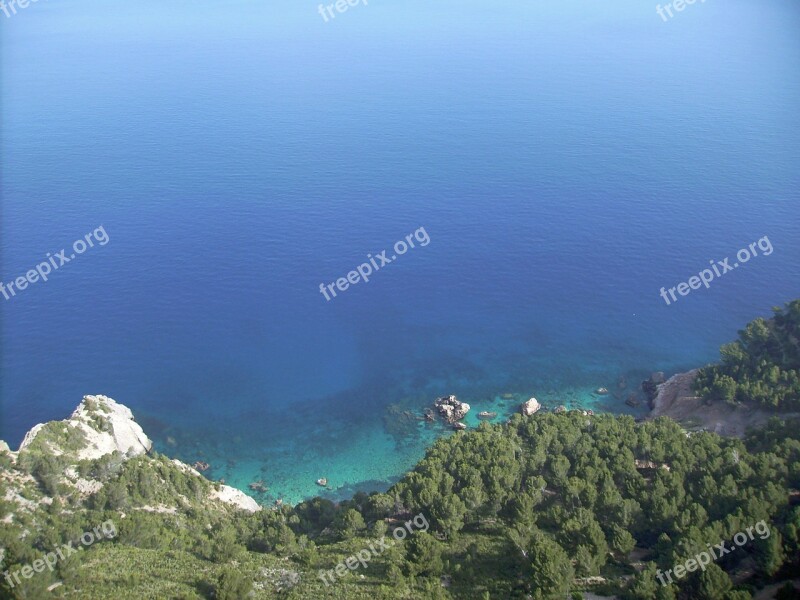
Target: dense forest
<point>542,506</point>
<point>762,367</point>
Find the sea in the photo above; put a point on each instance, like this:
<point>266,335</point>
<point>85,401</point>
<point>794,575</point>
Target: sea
<point>555,165</point>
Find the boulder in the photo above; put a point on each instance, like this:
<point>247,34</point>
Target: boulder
<point>451,408</point>
<point>530,407</point>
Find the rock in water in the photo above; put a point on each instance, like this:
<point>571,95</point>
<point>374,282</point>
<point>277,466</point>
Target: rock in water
<point>451,409</point>
<point>530,407</point>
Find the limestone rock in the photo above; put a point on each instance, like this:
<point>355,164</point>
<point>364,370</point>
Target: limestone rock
<point>451,408</point>
<point>106,426</point>
<point>235,497</point>
<point>100,426</point>
<point>530,407</point>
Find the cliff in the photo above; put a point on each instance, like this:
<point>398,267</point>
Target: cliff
<point>97,429</point>
<point>104,426</point>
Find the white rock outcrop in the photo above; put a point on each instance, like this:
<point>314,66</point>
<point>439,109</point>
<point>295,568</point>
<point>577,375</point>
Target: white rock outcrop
<point>237,498</point>
<point>451,408</point>
<point>225,493</point>
<point>530,407</point>
<point>107,426</point>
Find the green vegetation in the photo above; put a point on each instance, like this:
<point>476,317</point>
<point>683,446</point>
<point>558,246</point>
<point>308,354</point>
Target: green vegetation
<point>762,367</point>
<point>535,507</point>
<point>541,507</point>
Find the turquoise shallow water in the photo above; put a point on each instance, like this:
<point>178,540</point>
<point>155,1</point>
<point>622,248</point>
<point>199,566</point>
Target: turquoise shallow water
<point>567,160</point>
<point>370,452</point>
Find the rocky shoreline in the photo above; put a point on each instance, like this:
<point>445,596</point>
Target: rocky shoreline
<point>675,398</point>
<point>98,427</point>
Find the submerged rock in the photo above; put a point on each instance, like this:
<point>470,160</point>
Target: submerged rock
<point>401,424</point>
<point>258,486</point>
<point>632,401</point>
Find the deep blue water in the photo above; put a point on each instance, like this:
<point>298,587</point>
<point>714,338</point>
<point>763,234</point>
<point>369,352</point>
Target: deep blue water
<point>566,160</point>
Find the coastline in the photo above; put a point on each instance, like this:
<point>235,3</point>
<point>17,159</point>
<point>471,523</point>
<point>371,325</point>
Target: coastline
<point>368,455</point>
<point>100,427</point>
<point>375,456</point>
<point>676,399</point>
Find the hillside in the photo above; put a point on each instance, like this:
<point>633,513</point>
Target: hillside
<point>762,367</point>
<point>536,507</point>
<point>539,507</point>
